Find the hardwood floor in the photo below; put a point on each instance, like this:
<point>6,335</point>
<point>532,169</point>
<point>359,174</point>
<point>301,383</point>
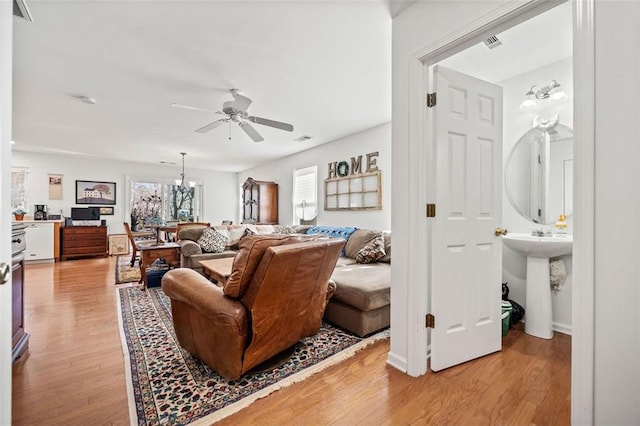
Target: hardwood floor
<point>73,371</point>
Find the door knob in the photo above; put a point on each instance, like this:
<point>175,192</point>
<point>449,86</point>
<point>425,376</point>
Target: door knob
<point>4,272</point>
<point>500,231</point>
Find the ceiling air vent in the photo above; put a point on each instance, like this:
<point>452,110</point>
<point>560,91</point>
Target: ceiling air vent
<point>492,42</point>
<point>21,10</point>
<point>302,138</point>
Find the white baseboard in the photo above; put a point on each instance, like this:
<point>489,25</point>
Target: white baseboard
<point>561,328</point>
<point>397,362</point>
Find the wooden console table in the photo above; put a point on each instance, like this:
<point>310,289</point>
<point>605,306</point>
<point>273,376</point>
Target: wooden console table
<point>169,251</point>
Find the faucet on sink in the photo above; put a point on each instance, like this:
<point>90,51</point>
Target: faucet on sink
<point>541,233</point>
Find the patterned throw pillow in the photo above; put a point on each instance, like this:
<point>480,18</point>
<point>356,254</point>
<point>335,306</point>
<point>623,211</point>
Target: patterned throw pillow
<point>373,251</point>
<point>212,241</point>
<point>284,229</point>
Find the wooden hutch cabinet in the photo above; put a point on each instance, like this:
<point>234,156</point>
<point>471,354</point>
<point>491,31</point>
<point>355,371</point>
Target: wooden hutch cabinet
<point>259,202</point>
<point>78,241</point>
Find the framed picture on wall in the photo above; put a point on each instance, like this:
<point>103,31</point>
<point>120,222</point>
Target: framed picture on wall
<point>93,192</point>
<point>106,211</point>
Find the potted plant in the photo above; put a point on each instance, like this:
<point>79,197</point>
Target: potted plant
<point>19,214</point>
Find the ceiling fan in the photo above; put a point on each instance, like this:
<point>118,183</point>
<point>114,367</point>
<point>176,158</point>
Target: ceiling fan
<point>236,110</point>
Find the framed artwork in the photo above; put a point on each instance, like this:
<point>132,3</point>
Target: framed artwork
<point>106,211</point>
<point>118,244</point>
<point>93,192</point>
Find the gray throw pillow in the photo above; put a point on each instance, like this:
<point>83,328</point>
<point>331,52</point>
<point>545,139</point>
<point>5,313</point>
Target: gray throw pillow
<point>212,241</point>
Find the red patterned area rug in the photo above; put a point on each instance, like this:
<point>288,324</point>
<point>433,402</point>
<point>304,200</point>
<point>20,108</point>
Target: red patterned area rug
<point>167,386</point>
<point>125,273</point>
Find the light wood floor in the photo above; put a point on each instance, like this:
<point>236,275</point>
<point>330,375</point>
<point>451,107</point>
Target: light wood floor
<point>73,372</point>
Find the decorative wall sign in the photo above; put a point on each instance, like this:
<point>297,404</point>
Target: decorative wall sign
<point>55,187</point>
<point>106,211</point>
<point>92,192</point>
<point>343,168</point>
<point>348,188</point>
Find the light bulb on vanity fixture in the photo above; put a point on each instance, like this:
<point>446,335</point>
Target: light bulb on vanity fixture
<point>553,91</point>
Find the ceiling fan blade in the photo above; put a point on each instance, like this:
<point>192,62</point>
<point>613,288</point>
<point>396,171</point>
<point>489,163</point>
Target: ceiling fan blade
<point>249,130</point>
<point>191,108</point>
<point>211,126</point>
<point>266,122</point>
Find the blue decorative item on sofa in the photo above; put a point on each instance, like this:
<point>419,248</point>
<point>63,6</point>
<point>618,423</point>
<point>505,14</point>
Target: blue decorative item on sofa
<point>336,232</point>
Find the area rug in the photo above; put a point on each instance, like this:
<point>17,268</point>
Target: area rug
<point>125,273</point>
<point>167,386</point>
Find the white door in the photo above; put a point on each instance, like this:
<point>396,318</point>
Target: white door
<point>6,31</point>
<point>466,267</point>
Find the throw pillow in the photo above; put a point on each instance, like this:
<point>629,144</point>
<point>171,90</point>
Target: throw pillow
<point>212,241</point>
<point>284,229</point>
<point>335,232</point>
<point>373,251</point>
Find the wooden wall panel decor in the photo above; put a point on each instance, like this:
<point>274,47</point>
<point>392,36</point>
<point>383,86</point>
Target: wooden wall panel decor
<point>354,192</point>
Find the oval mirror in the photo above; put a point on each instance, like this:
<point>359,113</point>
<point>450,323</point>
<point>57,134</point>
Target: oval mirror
<point>539,174</point>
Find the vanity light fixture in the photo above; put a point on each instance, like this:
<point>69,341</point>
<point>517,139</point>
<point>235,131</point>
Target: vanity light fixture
<point>553,91</point>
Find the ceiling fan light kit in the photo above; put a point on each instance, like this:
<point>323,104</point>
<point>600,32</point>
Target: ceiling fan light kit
<point>236,111</point>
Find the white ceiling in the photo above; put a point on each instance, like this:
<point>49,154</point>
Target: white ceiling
<point>542,40</point>
<point>324,66</point>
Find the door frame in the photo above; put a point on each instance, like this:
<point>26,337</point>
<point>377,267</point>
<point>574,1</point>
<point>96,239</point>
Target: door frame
<point>421,139</point>
<point>6,46</point>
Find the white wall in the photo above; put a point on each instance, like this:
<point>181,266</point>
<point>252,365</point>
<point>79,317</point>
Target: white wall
<point>617,213</point>
<point>281,172</point>
<point>516,123</point>
<point>220,193</point>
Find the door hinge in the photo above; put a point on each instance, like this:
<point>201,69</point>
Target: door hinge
<point>431,210</point>
<point>431,100</point>
<point>430,321</point>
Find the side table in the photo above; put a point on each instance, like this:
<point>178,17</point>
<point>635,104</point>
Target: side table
<point>217,269</point>
<point>169,251</point>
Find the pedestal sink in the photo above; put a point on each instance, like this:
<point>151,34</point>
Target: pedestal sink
<point>538,318</point>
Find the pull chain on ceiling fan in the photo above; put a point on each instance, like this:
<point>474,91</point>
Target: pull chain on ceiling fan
<point>236,111</point>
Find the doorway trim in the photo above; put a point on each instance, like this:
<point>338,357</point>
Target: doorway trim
<point>503,17</point>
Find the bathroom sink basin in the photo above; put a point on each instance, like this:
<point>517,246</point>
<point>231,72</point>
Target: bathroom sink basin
<point>533,246</point>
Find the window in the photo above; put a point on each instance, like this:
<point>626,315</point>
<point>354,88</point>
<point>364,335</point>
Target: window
<point>159,202</point>
<point>19,181</point>
<point>305,195</point>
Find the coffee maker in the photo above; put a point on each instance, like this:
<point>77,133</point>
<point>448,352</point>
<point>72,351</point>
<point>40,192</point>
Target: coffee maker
<point>41,212</point>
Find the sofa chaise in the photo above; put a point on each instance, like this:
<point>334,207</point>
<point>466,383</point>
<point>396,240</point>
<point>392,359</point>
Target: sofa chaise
<point>361,301</point>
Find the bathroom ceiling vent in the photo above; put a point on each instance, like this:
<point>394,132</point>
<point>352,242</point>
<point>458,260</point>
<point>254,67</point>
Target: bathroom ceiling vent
<point>492,42</point>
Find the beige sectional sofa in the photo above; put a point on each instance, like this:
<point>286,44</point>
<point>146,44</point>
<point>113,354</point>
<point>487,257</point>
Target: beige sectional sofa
<point>361,301</point>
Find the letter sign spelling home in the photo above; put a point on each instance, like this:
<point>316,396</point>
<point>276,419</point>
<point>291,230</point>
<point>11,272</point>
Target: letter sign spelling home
<point>341,168</point>
<point>332,170</point>
<point>371,162</point>
<point>354,184</point>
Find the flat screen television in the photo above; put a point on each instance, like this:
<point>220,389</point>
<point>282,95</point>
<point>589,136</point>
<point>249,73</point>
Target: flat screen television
<point>85,213</point>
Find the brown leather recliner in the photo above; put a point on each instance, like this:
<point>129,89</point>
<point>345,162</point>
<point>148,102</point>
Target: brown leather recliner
<point>275,296</point>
